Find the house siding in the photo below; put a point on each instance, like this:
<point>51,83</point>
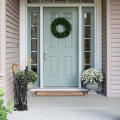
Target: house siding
<point>12,44</point>
<point>2,42</point>
<point>104,44</point>
<point>113,28</point>
<point>1,78</point>
<point>0,35</point>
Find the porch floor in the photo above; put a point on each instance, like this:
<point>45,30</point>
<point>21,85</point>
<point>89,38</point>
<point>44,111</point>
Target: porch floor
<point>70,108</point>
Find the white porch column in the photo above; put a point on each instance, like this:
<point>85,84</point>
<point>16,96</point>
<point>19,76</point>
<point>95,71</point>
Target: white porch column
<point>23,34</point>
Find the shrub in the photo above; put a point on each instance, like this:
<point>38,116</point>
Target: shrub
<point>4,111</point>
<point>92,75</point>
<point>32,76</point>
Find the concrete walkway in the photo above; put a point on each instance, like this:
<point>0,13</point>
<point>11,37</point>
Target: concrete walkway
<point>70,108</point>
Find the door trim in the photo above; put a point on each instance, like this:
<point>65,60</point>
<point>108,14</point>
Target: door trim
<point>23,35</point>
<point>41,48</point>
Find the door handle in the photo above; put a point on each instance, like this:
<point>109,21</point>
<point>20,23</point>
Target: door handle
<point>45,55</point>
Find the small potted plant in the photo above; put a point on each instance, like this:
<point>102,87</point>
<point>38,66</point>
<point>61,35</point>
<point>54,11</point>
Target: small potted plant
<point>4,111</point>
<point>92,78</point>
<point>32,78</point>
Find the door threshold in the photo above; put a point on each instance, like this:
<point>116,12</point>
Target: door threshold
<point>57,89</point>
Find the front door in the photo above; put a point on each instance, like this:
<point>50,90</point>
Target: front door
<point>60,55</point>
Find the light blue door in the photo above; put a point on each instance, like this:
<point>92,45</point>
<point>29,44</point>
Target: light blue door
<point>60,55</point>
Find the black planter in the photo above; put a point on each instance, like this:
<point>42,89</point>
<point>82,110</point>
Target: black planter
<point>20,93</point>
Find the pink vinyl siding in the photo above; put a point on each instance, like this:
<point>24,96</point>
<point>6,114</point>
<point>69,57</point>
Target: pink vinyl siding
<point>113,28</point>
<point>1,78</point>
<point>12,44</point>
<point>0,36</point>
<point>2,41</point>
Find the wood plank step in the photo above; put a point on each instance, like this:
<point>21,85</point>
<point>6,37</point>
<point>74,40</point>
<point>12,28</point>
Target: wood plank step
<point>60,93</point>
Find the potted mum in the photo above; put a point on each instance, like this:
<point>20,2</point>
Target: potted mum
<point>92,78</point>
<point>32,77</point>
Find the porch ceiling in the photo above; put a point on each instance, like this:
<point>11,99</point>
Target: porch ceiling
<point>60,1</point>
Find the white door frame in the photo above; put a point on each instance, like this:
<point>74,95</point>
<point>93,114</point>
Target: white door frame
<point>97,34</point>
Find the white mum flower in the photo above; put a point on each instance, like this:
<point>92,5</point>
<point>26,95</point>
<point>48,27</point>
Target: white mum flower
<point>92,75</point>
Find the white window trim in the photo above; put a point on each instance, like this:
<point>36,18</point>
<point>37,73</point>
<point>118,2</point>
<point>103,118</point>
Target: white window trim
<point>41,48</point>
<point>97,34</point>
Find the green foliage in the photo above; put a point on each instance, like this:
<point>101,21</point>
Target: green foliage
<point>65,24</point>
<point>92,75</point>
<point>32,76</point>
<point>4,111</point>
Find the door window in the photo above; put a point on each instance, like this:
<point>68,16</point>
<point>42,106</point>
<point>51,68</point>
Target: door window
<point>34,38</point>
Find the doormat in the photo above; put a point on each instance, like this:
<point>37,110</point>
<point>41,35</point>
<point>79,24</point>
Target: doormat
<point>60,93</point>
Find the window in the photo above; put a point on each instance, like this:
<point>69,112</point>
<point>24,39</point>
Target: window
<point>88,37</point>
<point>33,38</point>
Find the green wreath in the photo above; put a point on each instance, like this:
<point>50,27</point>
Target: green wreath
<point>65,24</point>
